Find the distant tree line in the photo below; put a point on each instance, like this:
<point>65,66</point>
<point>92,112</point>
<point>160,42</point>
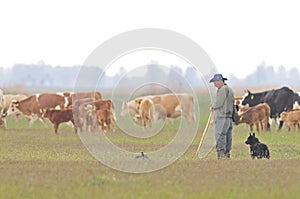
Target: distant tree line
<point>267,76</point>
<point>42,75</point>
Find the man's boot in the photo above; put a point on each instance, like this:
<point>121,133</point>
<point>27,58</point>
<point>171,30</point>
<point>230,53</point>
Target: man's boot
<point>220,154</point>
<point>227,154</point>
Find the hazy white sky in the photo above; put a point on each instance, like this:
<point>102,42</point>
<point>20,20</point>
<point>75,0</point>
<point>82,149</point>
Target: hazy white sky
<point>237,35</point>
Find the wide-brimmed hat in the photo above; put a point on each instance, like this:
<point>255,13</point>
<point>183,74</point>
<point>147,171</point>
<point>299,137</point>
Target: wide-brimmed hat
<point>217,77</point>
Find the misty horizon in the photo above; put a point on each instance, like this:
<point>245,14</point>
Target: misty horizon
<point>44,75</point>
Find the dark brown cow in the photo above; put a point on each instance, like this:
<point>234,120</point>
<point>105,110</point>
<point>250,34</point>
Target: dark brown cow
<point>59,116</point>
<point>258,114</point>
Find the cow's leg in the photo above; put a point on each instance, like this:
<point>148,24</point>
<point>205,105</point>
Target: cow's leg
<point>75,129</point>
<point>43,121</point>
<point>18,115</point>
<point>143,122</point>
<point>288,124</point>
<point>32,119</point>
<point>293,127</point>
<point>268,127</point>
<point>86,123</point>
<point>102,126</point>
<point>269,124</point>
<point>3,122</point>
<point>74,126</point>
<point>56,127</point>
<point>107,126</point>
<point>257,126</point>
<point>280,125</point>
<point>97,125</point>
<point>251,127</point>
<point>190,116</point>
<point>80,124</point>
<point>114,124</point>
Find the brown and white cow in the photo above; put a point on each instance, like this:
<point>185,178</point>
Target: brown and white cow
<point>57,117</point>
<point>174,105</point>
<point>33,106</point>
<point>258,115</point>
<point>291,118</point>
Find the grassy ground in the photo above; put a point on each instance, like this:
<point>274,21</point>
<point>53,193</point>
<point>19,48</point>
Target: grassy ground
<point>36,163</point>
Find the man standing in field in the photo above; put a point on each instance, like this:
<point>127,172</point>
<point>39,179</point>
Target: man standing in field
<point>223,109</point>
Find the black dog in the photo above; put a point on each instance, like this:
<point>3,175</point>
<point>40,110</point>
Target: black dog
<point>257,149</point>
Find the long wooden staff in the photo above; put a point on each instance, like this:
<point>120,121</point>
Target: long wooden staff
<point>204,133</point>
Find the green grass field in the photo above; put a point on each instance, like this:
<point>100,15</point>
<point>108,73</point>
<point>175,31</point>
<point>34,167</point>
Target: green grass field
<point>36,163</point>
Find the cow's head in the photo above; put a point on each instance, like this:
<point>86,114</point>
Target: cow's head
<point>90,109</point>
<point>250,99</point>
<point>13,108</point>
<point>131,107</point>
<point>283,116</point>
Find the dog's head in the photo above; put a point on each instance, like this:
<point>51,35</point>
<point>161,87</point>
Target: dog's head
<point>252,139</point>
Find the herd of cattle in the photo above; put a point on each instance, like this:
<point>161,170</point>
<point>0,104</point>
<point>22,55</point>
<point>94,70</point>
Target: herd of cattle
<point>89,110</point>
<point>279,104</point>
<point>82,108</point>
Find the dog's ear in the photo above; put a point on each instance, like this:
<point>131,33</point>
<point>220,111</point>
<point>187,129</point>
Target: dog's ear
<point>254,134</point>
